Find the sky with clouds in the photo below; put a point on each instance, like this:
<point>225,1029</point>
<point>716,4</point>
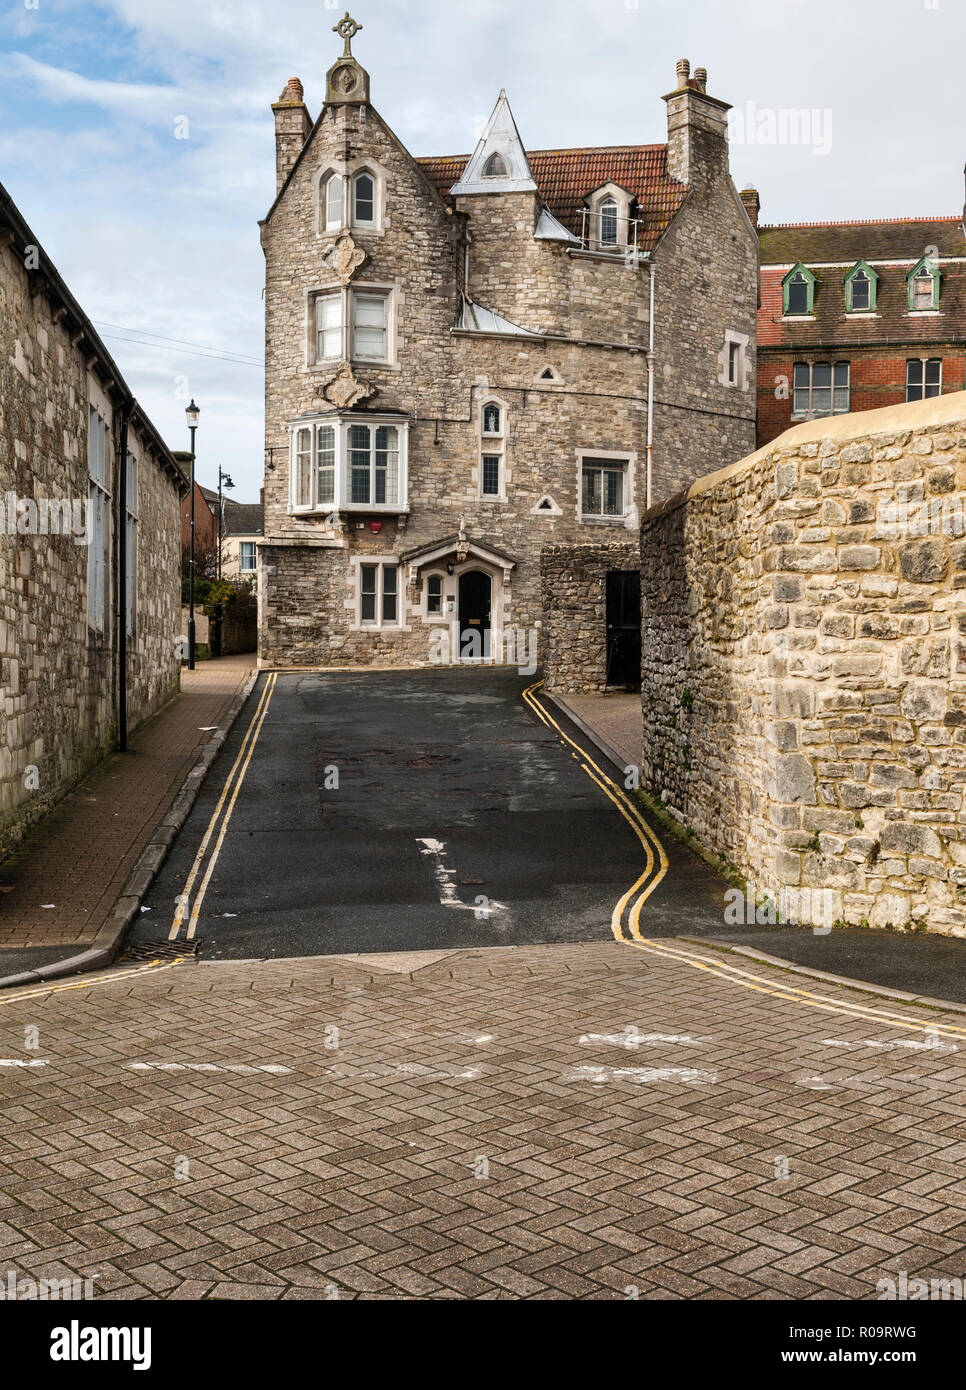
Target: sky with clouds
<point>137,138</point>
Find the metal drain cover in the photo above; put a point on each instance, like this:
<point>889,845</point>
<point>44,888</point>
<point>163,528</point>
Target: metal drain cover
<point>160,950</point>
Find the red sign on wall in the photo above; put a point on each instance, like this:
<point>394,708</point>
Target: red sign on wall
<point>375,527</point>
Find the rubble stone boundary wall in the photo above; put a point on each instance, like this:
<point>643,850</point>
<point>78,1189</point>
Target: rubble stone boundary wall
<point>804,663</point>
<point>574,597</point>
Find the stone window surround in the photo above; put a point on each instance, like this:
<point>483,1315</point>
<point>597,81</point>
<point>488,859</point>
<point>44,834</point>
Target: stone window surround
<point>342,420</point>
<point>624,200</point>
<point>347,171</point>
<point>626,456</point>
<point>740,340</point>
<point>493,444</point>
<point>316,292</point>
<point>354,604</point>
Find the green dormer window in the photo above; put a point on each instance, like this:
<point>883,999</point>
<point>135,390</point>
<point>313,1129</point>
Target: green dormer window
<point>798,291</point>
<point>923,281</point>
<point>860,289</point>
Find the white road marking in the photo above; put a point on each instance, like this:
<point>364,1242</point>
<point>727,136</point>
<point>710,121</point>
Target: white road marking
<point>19,1062</point>
<point>447,883</point>
<point>632,1039</point>
<point>689,1076</point>
<point>908,1044</point>
<point>273,1068</point>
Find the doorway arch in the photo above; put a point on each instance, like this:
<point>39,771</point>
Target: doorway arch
<point>475,605</point>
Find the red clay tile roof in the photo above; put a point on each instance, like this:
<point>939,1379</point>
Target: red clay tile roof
<point>565,177</point>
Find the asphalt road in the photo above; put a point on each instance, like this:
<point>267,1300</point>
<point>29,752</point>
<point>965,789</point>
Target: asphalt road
<point>411,810</point>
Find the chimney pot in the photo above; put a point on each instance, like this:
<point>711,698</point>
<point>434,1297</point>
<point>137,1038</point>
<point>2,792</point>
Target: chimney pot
<point>701,79</point>
<point>683,71</point>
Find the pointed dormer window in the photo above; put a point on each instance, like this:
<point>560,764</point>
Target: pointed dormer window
<point>499,163</point>
<point>923,282</point>
<point>860,289</point>
<point>798,291</point>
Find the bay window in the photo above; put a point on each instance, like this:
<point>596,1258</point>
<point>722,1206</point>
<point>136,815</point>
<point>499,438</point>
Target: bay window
<point>348,463</point>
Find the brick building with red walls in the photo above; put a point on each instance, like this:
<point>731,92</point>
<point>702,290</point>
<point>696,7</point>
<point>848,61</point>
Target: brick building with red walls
<point>856,315</point>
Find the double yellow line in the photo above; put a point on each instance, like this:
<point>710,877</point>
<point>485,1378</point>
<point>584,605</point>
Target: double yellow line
<point>627,912</point>
<point>655,868</point>
<point>188,911</point>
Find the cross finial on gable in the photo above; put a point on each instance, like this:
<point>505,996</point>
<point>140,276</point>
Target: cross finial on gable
<point>346,29</point>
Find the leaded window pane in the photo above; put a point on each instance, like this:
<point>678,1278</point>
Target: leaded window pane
<point>491,475</point>
<point>608,222</point>
<point>841,392</point>
<point>326,464</point>
<point>303,468</point>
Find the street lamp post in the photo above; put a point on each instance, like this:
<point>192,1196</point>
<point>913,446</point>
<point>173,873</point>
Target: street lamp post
<point>226,479</point>
<point>192,412</point>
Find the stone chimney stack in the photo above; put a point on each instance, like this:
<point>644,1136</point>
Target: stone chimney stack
<point>293,125</point>
<point>749,196</point>
<point>697,128</point>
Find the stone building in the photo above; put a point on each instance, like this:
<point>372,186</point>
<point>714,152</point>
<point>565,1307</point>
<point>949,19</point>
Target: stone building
<point>857,315</point>
<point>89,540</point>
<point>469,358</point>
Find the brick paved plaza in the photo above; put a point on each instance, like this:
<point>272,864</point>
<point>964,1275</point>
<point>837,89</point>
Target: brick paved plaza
<point>481,1124</point>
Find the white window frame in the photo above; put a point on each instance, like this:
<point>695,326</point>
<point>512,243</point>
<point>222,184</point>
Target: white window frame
<point>131,541</point>
<point>811,413</point>
<point>923,361</point>
<point>327,223</point>
<point>99,505</point>
<point>365,222</point>
<point>379,623</point>
<point>312,505</point>
<point>242,568</point>
<point>612,458</point>
<point>347,297</point>
<point>734,361</point>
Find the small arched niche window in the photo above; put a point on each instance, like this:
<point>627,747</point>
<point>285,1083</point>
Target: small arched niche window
<point>492,418</point>
<point>364,199</point>
<point>608,222</point>
<point>331,197</point>
<point>495,167</point>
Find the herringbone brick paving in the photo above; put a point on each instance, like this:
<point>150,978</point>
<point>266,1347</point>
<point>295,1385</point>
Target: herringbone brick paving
<point>456,1139</point>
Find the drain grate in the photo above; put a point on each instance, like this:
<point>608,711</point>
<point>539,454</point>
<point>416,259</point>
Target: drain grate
<point>160,950</point>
